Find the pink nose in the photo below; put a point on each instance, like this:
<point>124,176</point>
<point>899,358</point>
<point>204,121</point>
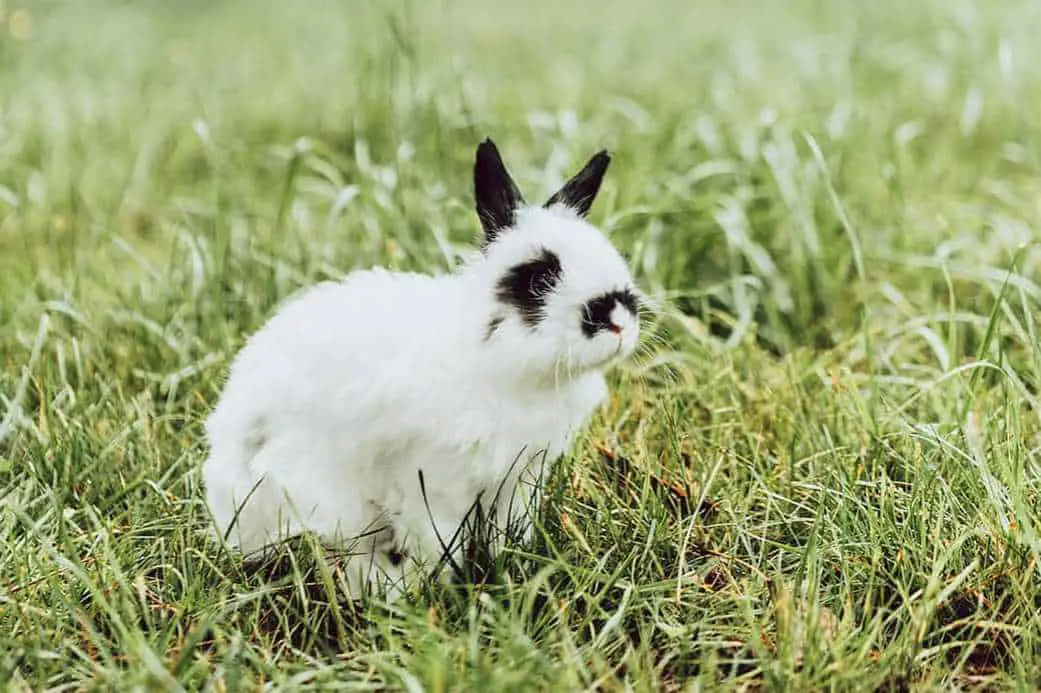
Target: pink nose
<point>616,329</point>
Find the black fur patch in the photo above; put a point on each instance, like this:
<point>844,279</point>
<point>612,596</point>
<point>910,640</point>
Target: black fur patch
<point>525,286</point>
<point>596,313</point>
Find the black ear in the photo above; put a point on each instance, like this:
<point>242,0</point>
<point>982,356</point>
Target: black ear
<point>579,192</point>
<point>495,193</point>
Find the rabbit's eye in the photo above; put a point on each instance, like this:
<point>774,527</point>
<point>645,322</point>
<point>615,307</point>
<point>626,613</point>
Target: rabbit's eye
<point>525,286</point>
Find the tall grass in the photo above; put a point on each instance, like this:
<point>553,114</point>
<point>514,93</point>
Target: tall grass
<point>820,473</point>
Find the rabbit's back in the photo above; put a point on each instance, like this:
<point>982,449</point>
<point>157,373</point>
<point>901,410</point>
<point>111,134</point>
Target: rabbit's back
<point>337,345</point>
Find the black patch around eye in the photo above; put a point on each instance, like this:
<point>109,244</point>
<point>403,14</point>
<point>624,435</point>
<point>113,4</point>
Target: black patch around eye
<point>525,286</point>
<point>596,313</point>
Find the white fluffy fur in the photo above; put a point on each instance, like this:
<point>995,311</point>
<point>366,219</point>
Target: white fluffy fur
<point>334,406</point>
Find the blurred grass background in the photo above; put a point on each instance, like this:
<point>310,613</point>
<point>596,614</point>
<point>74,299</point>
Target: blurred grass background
<point>823,473</point>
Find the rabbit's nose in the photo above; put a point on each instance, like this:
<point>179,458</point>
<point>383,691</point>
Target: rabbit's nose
<point>615,328</point>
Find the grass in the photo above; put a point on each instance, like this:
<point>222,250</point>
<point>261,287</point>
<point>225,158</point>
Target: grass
<point>823,474</point>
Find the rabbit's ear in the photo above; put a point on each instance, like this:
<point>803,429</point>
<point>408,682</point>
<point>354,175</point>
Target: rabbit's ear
<point>495,193</point>
<point>579,192</point>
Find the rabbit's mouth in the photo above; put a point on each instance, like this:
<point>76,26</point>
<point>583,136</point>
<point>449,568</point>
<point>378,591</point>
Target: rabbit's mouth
<point>619,353</point>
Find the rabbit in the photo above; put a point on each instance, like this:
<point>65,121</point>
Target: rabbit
<point>376,410</point>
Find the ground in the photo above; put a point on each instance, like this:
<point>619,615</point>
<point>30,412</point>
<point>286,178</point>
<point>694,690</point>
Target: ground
<point>820,472</point>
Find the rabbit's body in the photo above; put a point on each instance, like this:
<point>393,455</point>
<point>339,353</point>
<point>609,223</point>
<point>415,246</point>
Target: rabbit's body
<point>354,388</point>
<point>379,423</point>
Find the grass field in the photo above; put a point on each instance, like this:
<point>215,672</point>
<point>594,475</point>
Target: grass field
<point>822,472</point>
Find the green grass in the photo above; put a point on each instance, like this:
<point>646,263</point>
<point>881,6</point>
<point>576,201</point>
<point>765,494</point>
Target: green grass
<point>822,473</point>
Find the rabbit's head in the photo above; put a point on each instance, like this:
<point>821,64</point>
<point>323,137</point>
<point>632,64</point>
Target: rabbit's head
<point>563,300</point>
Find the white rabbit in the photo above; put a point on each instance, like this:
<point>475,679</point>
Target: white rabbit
<point>474,379</point>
